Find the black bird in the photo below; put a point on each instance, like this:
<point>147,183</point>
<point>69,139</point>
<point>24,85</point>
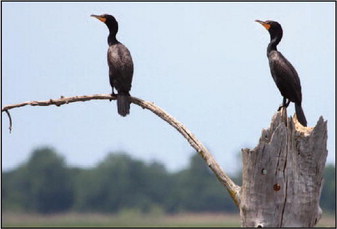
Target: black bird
<point>284,74</point>
<point>120,65</point>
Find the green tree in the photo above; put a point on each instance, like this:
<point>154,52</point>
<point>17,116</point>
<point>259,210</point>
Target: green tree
<point>42,184</point>
<point>328,195</point>
<point>121,182</point>
<point>14,187</point>
<point>196,189</point>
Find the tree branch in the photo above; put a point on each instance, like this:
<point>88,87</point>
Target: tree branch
<point>10,120</point>
<point>232,188</point>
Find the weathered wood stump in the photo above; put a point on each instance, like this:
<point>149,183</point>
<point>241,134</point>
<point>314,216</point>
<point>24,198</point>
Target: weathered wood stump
<point>282,177</point>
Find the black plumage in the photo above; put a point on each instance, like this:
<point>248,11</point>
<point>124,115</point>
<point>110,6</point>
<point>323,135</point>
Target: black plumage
<point>120,65</point>
<point>282,71</point>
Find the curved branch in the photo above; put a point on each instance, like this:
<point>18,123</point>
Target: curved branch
<point>232,188</point>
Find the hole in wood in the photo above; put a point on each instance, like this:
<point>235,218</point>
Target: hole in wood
<point>277,187</point>
<point>264,171</point>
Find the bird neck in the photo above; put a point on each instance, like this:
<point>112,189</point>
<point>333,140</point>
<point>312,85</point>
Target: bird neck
<point>274,41</point>
<point>112,39</point>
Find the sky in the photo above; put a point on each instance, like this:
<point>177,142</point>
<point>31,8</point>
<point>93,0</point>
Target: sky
<point>203,63</point>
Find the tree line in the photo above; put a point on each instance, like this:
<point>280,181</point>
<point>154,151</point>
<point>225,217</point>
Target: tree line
<point>45,184</point>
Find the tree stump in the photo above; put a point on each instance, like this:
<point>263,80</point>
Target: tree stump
<point>282,177</point>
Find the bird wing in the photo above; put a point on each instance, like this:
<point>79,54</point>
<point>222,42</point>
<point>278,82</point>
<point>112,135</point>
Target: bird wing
<point>285,77</point>
<point>120,67</point>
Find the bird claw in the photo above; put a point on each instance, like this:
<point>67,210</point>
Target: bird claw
<point>112,94</point>
<point>280,107</point>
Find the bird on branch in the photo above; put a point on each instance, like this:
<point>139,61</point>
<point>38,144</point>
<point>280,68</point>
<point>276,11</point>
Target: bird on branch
<point>282,71</point>
<point>120,65</point>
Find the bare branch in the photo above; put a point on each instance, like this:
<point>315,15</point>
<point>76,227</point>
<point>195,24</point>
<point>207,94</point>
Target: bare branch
<point>62,100</point>
<point>10,120</point>
<point>232,188</point>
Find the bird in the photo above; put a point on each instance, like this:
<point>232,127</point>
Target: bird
<point>120,65</point>
<point>283,72</point>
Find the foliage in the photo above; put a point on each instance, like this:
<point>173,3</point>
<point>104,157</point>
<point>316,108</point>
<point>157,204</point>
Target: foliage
<point>328,195</point>
<point>197,190</point>
<point>119,183</point>
<point>42,184</point>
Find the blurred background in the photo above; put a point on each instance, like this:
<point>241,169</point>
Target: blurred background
<point>204,63</point>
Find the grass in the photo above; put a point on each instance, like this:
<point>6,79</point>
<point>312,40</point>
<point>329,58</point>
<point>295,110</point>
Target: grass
<point>131,218</point>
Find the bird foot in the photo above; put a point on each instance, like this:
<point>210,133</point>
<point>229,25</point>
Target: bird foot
<point>112,94</point>
<point>280,107</point>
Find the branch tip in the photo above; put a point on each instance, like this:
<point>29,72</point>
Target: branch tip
<point>10,121</point>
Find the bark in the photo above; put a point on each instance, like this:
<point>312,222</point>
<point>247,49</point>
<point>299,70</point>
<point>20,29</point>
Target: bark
<point>282,177</point>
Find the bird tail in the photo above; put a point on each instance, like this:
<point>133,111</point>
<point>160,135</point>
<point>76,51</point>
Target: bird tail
<point>300,114</point>
<point>123,104</point>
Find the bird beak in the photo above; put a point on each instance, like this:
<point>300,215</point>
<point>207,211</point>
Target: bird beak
<point>266,25</point>
<point>102,19</point>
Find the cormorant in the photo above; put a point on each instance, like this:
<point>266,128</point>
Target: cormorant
<point>120,65</point>
<point>283,73</point>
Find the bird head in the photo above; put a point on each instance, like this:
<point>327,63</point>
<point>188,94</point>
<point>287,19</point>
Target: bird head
<point>109,20</point>
<point>273,27</point>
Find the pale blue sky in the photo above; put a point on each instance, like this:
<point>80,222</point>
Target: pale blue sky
<point>204,63</point>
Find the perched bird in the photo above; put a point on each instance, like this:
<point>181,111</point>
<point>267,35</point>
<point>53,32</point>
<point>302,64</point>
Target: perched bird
<point>283,73</point>
<point>120,65</point>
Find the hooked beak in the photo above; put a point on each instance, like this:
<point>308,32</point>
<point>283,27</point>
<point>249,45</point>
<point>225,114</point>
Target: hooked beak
<point>101,18</point>
<point>266,25</point>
